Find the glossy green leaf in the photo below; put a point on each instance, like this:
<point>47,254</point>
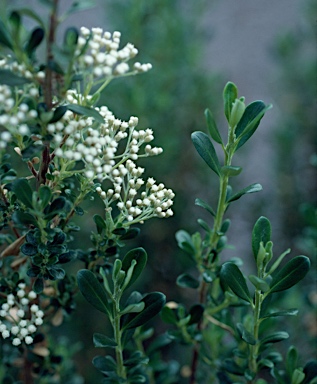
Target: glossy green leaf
<point>133,308</point>
<point>250,121</point>
<point>206,150</point>
<point>29,249</point>
<point>275,337</point>
<point>5,38</point>
<point>187,281</point>
<point>55,208</point>
<point>9,78</point>
<point>196,313</point>
<point>130,234</point>
<point>104,363</point>
<point>298,376</point>
<point>245,334</point>
<point>71,37</point>
<point>93,290</point>
<point>35,40</point>
<point>294,271</point>
<point>185,242</point>
<point>230,94</point>
<point>101,340</point>
<point>261,233</point>
<point>233,277</point>
<point>250,189</point>
<point>23,192</point>
<point>287,312</point>
<point>140,256</point>
<point>56,273</point>
<point>59,112</point>
<point>230,171</point>
<point>277,262</point>
<point>231,366</point>
<point>154,302</point>
<point>45,195</point>
<point>212,127</point>
<point>85,111</point>
<point>204,225</point>
<point>207,207</point>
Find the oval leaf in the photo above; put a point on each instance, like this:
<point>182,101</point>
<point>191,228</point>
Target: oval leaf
<point>93,291</point>
<point>230,94</point>
<point>187,281</point>
<point>23,191</point>
<point>261,232</point>
<point>275,337</point>
<point>287,312</point>
<point>140,256</point>
<point>207,207</point>
<point>101,340</point>
<point>206,150</point>
<point>212,127</point>
<point>294,271</point>
<point>229,170</point>
<point>233,277</point>
<point>154,302</point>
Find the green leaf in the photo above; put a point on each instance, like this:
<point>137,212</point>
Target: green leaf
<point>310,371</point>
<point>291,360</point>
<point>9,78</point>
<point>250,121</point>
<point>185,242</point>
<point>259,283</point>
<point>250,189</point>
<point>5,38</point>
<point>206,150</point>
<point>261,233</point>
<point>229,170</point>
<point>298,376</point>
<point>58,114</point>
<point>294,271</point>
<point>187,281</point>
<point>245,334</point>
<point>230,94</point>
<point>212,127</point>
<point>85,111</point>
<point>35,40</point>
<point>207,207</point>
<point>233,277</point>
<point>93,291</point>
<point>133,308</point>
<point>140,256</point>
<point>29,249</point>
<point>23,192</point>
<point>154,302</point>
<point>104,363</point>
<point>28,12</point>
<point>45,195</point>
<point>278,262</point>
<point>275,338</point>
<point>100,223</point>
<point>101,340</point>
<point>287,312</point>
<point>130,234</point>
<point>196,313</point>
<point>24,218</point>
<point>168,315</point>
<point>56,273</point>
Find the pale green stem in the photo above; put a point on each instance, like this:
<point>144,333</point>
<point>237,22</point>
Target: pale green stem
<point>117,335</point>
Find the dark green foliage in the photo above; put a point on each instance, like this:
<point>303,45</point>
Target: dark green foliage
<point>206,150</point>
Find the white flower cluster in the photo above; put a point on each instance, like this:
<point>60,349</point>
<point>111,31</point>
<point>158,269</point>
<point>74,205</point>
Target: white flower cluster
<point>103,56</point>
<point>13,116</point>
<point>19,319</point>
<point>20,69</point>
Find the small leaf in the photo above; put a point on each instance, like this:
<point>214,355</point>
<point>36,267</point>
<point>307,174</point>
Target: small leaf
<point>154,302</point>
<point>133,308</point>
<point>85,111</point>
<point>212,127</point>
<point>230,94</point>
<point>230,171</point>
<point>35,40</point>
<point>261,233</point>
<point>24,218</point>
<point>310,371</point>
<point>9,78</point>
<point>294,271</point>
<point>250,121</point>
<point>101,340</point>
<point>100,223</point>
<point>59,112</point>
<point>275,337</point>
<point>29,249</point>
<point>5,38</point>
<point>207,207</point>
<point>93,291</point>
<point>245,334</point>
<point>187,281</point>
<point>250,189</point>
<point>104,363</point>
<point>23,192</point>
<point>233,277</point>
<point>38,285</point>
<point>56,273</point>
<point>185,242</point>
<point>45,195</point>
<point>168,315</point>
<point>130,234</point>
<point>291,360</point>
<point>287,312</point>
<point>206,150</point>
<point>298,376</point>
<point>140,256</point>
<point>260,284</point>
<point>196,313</point>
<point>67,257</point>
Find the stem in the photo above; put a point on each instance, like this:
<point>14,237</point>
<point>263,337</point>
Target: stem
<point>26,374</point>
<point>117,335</point>
<point>254,349</point>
